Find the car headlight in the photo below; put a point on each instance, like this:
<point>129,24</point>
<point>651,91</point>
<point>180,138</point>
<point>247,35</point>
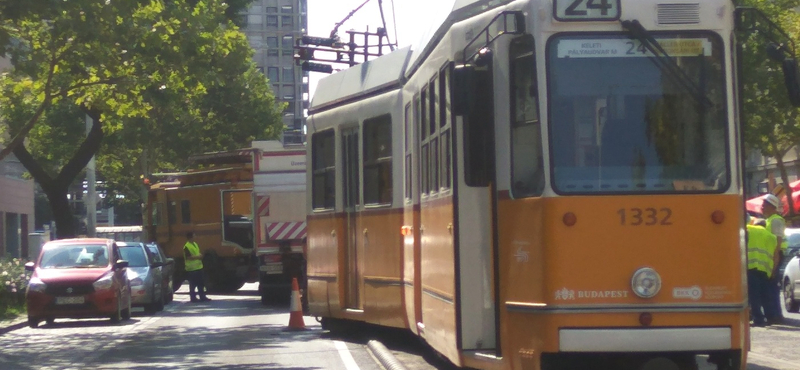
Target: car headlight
<point>104,282</point>
<point>137,281</point>
<point>36,285</point>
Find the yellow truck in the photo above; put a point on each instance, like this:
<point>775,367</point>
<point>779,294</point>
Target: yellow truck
<point>247,211</point>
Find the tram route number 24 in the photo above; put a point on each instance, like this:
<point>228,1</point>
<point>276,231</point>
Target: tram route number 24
<point>586,9</point>
<point>645,216</point>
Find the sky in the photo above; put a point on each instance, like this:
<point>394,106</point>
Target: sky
<point>412,24</point>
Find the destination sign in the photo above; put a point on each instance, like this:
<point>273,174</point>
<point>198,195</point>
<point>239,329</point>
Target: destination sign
<point>586,10</point>
<point>627,48</point>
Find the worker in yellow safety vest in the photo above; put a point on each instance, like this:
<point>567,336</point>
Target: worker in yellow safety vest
<point>761,245</point>
<point>771,208</point>
<point>194,269</point>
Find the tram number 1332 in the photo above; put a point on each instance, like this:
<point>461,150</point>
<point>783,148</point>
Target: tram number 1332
<point>645,216</point>
<point>582,10</point>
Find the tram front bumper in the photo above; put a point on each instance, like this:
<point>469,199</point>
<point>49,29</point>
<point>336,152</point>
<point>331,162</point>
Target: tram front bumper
<point>644,340</point>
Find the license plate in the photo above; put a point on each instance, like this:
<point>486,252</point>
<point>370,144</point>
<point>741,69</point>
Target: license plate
<point>272,269</point>
<point>70,300</point>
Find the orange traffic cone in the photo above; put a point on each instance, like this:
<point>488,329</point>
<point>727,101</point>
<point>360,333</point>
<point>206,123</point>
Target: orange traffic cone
<point>296,321</point>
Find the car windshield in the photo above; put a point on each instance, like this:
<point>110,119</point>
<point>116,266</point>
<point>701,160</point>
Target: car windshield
<point>622,121</point>
<point>75,256</point>
<point>134,255</point>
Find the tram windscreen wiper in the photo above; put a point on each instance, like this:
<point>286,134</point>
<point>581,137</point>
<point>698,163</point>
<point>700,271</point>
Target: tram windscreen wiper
<point>664,61</point>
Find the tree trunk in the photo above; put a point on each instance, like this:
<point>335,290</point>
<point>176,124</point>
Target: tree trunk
<point>784,179</point>
<point>56,188</point>
<point>62,213</point>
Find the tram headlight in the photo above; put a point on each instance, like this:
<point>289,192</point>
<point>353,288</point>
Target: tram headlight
<point>646,283</point>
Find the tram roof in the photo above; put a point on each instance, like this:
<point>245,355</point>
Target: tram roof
<point>389,70</point>
<point>365,78</point>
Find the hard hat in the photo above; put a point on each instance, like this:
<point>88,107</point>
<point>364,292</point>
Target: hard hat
<point>771,199</point>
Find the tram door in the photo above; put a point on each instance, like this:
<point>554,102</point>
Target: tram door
<point>476,214</point>
<point>352,201</point>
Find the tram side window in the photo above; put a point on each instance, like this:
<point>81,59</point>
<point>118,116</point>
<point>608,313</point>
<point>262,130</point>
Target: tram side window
<point>323,157</point>
<point>434,141</point>
<point>186,215</point>
<point>444,126</point>
<point>408,133</point>
<point>378,160</point>
<point>425,157</point>
<point>526,135</point>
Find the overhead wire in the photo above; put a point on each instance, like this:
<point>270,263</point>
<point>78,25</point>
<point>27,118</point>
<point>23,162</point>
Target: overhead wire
<point>385,29</point>
<point>394,24</point>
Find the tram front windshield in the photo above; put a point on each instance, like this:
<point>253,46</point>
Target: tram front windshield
<point>623,120</point>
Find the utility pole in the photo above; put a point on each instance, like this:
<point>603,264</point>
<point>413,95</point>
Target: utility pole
<point>91,194</point>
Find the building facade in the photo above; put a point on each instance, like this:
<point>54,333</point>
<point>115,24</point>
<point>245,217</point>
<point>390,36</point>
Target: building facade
<point>272,28</point>
<point>16,203</point>
<point>16,209</point>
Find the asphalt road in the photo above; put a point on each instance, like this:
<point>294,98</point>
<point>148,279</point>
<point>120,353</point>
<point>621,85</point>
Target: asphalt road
<point>237,332</point>
<point>231,332</point>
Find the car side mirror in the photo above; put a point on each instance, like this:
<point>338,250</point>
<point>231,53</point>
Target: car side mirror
<point>29,266</point>
<point>121,264</point>
<point>170,261</point>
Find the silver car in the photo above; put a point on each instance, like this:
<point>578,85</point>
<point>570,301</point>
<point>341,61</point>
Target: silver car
<point>144,275</point>
<point>167,269</point>
<point>791,272</point>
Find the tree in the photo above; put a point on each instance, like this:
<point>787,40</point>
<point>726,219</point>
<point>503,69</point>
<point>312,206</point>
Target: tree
<point>771,124</point>
<point>160,80</point>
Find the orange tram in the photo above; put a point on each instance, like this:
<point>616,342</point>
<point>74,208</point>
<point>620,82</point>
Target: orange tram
<point>540,184</point>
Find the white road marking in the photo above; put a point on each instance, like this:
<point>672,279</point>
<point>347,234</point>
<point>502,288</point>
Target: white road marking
<point>347,357</point>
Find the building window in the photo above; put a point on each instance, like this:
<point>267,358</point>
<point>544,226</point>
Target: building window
<point>287,42</point>
<point>288,92</point>
<point>255,19</point>
<point>272,42</point>
<point>323,162</point>
<point>287,9</point>
<point>272,9</point>
<point>255,41</point>
<point>272,73</point>
<point>186,214</point>
<point>289,107</point>
<point>272,21</point>
<point>287,22</point>
<point>288,75</point>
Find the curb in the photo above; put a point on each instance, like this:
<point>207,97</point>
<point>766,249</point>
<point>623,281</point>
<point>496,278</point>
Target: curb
<point>13,325</point>
<point>384,356</point>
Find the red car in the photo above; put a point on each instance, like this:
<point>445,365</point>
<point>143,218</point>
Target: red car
<point>78,278</point>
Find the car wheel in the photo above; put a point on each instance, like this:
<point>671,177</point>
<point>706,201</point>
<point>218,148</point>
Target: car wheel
<point>117,316</point>
<point>33,322</point>
<point>50,320</point>
<point>792,304</point>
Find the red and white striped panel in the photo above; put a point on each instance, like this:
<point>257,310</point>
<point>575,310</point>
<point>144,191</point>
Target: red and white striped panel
<point>286,230</point>
<point>263,205</point>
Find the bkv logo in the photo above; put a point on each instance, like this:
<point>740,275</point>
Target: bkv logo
<point>565,295</point>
